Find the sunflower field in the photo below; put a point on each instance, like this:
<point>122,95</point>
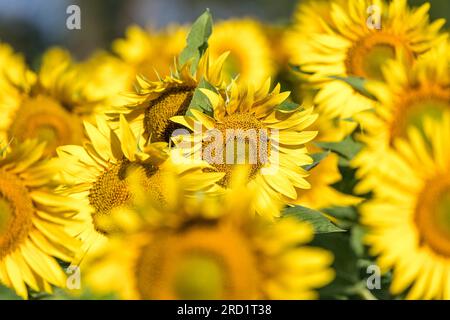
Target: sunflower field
<point>232,159</point>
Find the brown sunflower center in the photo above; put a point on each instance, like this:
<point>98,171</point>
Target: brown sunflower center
<point>157,122</point>
<point>367,56</point>
<point>243,141</point>
<point>430,102</point>
<point>45,119</point>
<point>112,190</point>
<point>432,215</point>
<point>202,262</point>
<point>16,212</point>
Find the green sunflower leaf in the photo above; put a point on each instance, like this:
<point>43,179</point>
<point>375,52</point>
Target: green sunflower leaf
<point>320,223</point>
<point>298,68</point>
<point>345,264</point>
<point>317,158</point>
<point>347,148</point>
<point>200,101</point>
<point>197,40</point>
<point>357,83</point>
<point>288,106</point>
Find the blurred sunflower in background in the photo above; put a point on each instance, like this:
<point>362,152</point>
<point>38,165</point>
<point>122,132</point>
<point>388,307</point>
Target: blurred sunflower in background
<point>408,219</point>
<point>249,50</point>
<point>32,221</point>
<point>347,42</point>
<point>212,248</point>
<point>407,95</point>
<point>152,52</point>
<point>33,107</point>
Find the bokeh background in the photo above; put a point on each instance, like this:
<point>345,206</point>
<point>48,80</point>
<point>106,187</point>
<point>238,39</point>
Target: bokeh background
<point>31,26</point>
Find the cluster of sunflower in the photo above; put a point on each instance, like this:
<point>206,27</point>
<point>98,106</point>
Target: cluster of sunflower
<point>95,186</point>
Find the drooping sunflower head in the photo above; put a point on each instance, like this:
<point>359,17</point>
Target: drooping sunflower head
<point>247,128</point>
<point>408,219</point>
<point>249,50</point>
<point>98,173</point>
<point>151,52</point>
<point>355,44</point>
<point>407,95</point>
<point>32,221</point>
<point>214,248</point>
<point>150,108</point>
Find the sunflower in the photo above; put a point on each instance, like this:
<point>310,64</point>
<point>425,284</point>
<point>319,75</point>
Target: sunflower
<point>212,248</point>
<point>346,44</point>
<point>48,105</point>
<point>408,219</point>
<point>30,109</point>
<point>97,174</point>
<point>32,221</point>
<point>150,108</point>
<point>407,95</point>
<point>151,52</point>
<point>250,51</point>
<point>271,140</point>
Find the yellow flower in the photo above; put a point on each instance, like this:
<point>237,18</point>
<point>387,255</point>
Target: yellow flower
<point>212,248</point>
<point>350,42</point>
<point>32,221</point>
<point>100,80</point>
<point>150,108</point>
<point>151,53</point>
<point>326,173</point>
<point>48,105</point>
<point>27,104</point>
<point>321,194</point>
<point>97,174</point>
<point>408,218</point>
<point>250,52</point>
<point>407,95</point>
<point>248,124</point>
<point>278,47</point>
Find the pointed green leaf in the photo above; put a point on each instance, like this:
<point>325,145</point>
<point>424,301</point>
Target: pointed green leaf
<point>320,223</point>
<point>197,41</point>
